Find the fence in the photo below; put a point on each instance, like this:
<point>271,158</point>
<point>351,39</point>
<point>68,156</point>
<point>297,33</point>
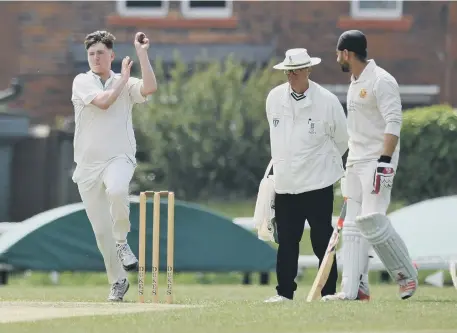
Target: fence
<point>41,175</point>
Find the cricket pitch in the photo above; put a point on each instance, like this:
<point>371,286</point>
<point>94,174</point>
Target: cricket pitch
<point>11,312</point>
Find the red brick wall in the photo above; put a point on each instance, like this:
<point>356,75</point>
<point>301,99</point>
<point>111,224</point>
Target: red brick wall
<point>9,31</point>
<point>37,36</point>
<point>45,66</point>
<point>450,77</point>
<point>411,54</point>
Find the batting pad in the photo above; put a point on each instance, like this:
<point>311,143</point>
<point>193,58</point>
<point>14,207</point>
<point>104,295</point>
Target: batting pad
<point>355,259</point>
<point>388,245</point>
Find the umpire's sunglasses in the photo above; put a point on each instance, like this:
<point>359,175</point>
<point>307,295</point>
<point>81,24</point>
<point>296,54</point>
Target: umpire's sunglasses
<point>293,71</point>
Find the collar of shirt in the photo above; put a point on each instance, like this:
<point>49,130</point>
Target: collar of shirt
<point>99,79</point>
<point>287,98</point>
<point>298,96</point>
<point>367,71</point>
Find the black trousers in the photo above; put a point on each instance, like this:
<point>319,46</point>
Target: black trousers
<point>292,210</point>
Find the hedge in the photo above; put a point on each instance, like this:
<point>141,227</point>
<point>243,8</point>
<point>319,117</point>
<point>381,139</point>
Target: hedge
<point>428,154</point>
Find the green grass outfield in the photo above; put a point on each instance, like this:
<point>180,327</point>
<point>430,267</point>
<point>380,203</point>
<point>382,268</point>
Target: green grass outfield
<point>224,309</point>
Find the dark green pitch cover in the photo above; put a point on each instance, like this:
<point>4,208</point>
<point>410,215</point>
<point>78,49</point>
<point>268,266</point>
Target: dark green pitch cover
<point>204,242</point>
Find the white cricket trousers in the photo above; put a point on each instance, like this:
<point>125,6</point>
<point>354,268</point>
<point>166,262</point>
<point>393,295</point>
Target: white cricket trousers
<point>360,201</point>
<point>359,185</point>
<point>106,199</point>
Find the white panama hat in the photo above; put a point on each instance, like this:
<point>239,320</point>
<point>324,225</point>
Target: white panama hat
<point>296,59</point>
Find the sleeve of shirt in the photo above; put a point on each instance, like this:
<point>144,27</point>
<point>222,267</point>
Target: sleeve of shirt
<point>341,135</point>
<point>389,104</point>
<point>134,86</point>
<point>84,90</point>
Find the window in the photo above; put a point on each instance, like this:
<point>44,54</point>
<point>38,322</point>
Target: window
<point>189,8</point>
<point>142,8</point>
<point>388,9</point>
<point>206,9</point>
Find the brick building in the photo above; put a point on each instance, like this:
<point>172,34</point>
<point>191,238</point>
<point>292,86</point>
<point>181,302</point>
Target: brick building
<point>42,41</point>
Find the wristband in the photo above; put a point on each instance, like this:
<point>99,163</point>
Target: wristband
<point>385,159</point>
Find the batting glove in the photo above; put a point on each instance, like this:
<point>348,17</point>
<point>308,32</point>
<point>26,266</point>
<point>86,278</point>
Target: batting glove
<point>384,174</point>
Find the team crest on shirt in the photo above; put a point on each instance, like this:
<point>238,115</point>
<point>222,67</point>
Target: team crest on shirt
<point>275,122</point>
<point>363,93</point>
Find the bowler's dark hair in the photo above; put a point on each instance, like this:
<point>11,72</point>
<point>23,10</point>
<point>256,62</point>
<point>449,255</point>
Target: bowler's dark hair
<point>103,37</point>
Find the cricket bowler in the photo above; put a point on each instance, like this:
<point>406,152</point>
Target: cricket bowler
<point>374,125</point>
<point>105,148</point>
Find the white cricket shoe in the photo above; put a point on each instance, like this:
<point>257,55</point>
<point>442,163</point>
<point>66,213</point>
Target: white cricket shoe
<point>407,288</point>
<point>126,256</point>
<point>363,295</point>
<point>335,297</point>
<point>364,292</point>
<point>118,290</point>
<point>276,299</point>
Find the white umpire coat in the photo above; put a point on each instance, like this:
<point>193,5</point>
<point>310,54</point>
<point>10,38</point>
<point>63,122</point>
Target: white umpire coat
<point>308,138</point>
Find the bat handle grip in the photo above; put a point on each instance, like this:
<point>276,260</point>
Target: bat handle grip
<point>340,223</point>
<point>342,214</point>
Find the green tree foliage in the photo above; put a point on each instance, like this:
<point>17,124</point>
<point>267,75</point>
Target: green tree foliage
<point>204,134</point>
<point>428,157</point>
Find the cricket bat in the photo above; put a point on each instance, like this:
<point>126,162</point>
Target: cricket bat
<point>329,258</point>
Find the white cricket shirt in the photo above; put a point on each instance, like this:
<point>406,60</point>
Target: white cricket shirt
<point>101,135</point>
<point>308,138</point>
<point>374,108</point>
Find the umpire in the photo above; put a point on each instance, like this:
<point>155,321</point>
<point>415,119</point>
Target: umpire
<point>308,137</point>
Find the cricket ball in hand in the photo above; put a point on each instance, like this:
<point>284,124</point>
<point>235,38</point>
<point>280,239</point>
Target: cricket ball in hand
<point>141,38</point>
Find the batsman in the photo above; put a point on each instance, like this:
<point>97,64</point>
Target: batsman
<point>374,123</point>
